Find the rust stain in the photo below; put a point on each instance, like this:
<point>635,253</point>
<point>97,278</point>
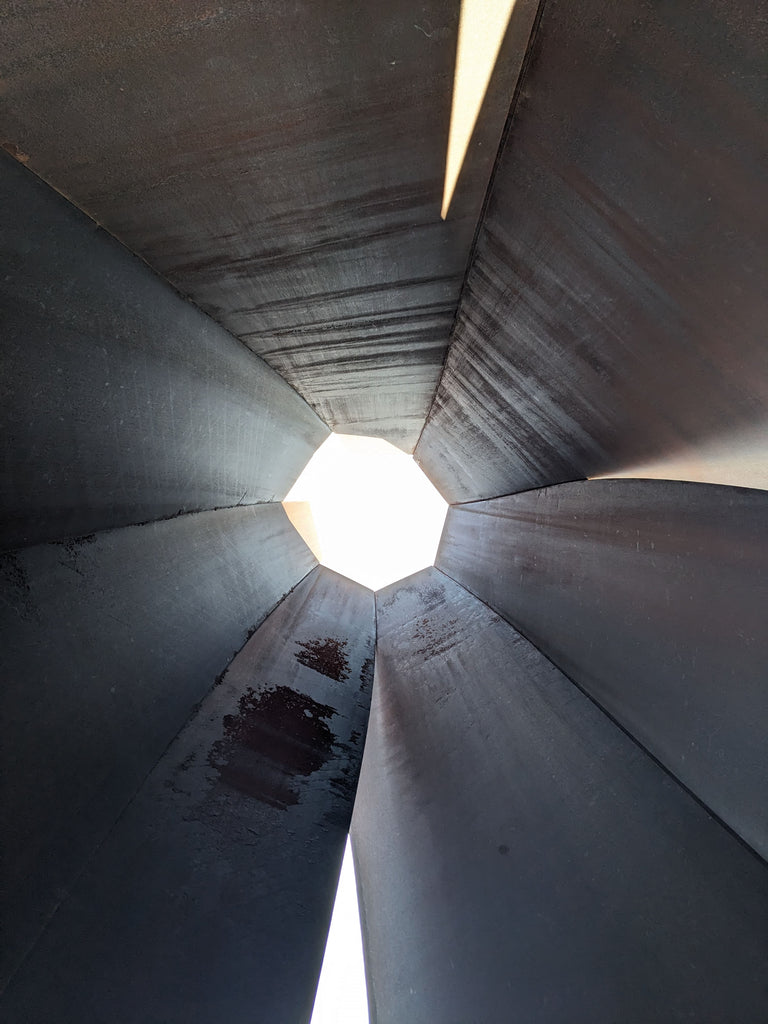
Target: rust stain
<point>366,675</point>
<point>14,574</point>
<point>71,547</point>
<point>344,787</point>
<point>16,153</point>
<point>437,637</point>
<point>187,763</point>
<point>325,655</point>
<point>174,781</point>
<point>434,595</point>
<point>276,736</point>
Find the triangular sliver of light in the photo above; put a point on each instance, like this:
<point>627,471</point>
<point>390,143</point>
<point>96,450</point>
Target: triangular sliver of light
<point>342,997</point>
<point>482,26</point>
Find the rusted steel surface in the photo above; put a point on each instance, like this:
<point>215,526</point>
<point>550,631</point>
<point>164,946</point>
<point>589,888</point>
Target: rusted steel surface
<point>282,164</point>
<point>652,596</point>
<point>210,899</point>
<point>121,402</point>
<point>108,642</point>
<point>615,309</point>
<point>520,858</point>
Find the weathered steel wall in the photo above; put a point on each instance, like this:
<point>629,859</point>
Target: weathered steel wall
<point>520,858</point>
<point>614,313</point>
<point>121,402</point>
<point>210,899</point>
<point>107,644</point>
<point>282,164</point>
<point>652,596</point>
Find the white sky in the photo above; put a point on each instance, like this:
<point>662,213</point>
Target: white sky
<point>377,517</point>
<point>341,995</point>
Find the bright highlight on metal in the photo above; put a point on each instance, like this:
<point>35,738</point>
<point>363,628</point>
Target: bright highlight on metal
<point>736,459</point>
<point>482,26</point>
<point>366,510</point>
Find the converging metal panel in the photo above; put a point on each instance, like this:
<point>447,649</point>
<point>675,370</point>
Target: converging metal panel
<point>280,163</point>
<point>121,402</point>
<point>615,308</point>
<point>520,858</point>
<point>652,596</point>
<point>109,641</point>
<point>210,899</point>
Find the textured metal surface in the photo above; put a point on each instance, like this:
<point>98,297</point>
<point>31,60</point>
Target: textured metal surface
<point>520,858</point>
<point>652,596</point>
<point>615,311</point>
<point>107,644</point>
<point>121,402</point>
<point>281,163</point>
<point>210,899</point>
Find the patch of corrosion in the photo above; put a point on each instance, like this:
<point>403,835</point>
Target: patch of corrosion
<point>366,675</point>
<point>13,572</point>
<point>325,655</point>
<point>72,547</point>
<point>276,736</point>
<point>437,637</point>
<point>434,596</point>
<point>344,787</point>
<point>173,783</point>
<point>16,153</point>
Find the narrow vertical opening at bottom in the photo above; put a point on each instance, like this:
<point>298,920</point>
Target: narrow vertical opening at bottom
<point>341,996</point>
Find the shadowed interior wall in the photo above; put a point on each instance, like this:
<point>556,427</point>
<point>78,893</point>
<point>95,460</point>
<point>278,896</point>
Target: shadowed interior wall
<point>121,402</point>
<point>614,311</point>
<point>520,858</point>
<point>108,643</point>
<point>280,164</point>
<point>210,899</point>
<point>652,596</point>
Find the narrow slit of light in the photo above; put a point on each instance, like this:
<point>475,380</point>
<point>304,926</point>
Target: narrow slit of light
<point>342,997</point>
<point>482,26</point>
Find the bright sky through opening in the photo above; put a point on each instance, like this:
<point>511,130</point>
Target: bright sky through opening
<point>372,515</point>
<point>341,994</point>
<point>482,26</point>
